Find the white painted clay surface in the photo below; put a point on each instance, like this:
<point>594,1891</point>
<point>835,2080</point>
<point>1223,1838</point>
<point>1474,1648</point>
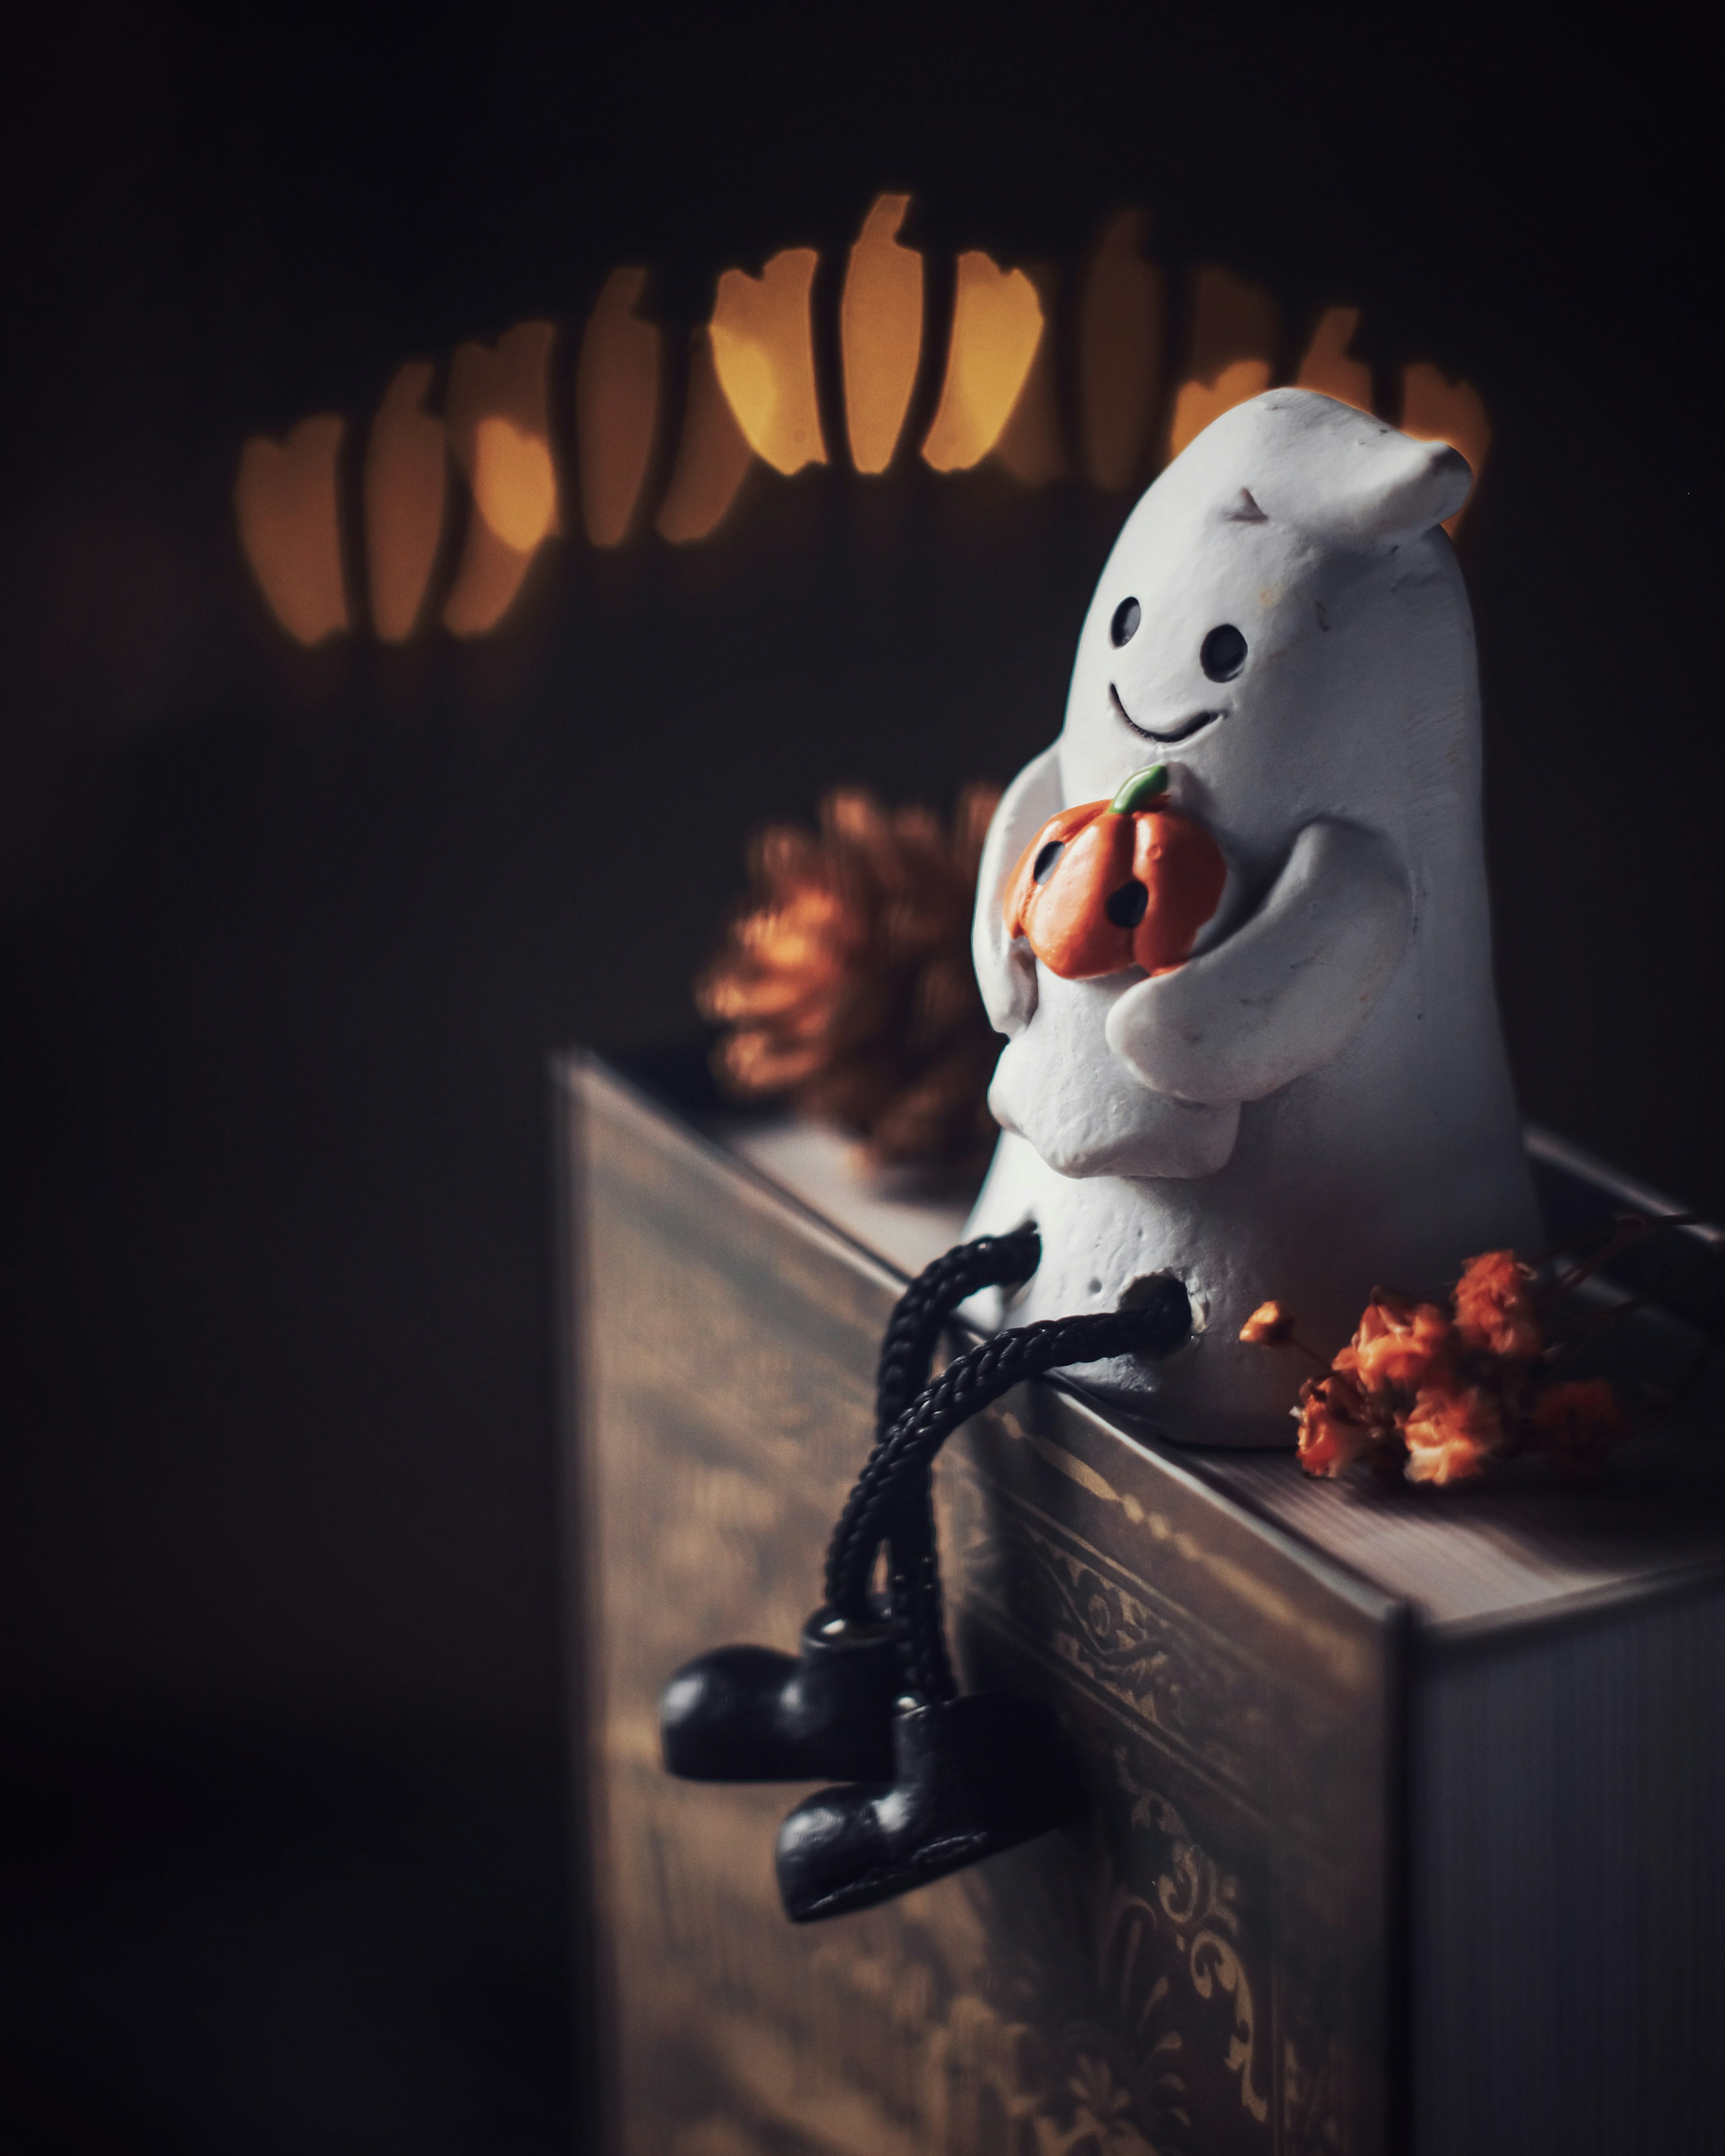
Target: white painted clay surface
<point>1318,1100</point>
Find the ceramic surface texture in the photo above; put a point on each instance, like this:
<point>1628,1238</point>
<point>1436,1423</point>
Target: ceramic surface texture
<point>1318,1100</point>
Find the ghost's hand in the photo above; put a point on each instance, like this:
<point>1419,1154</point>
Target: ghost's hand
<point>1284,994</point>
<point>1005,969</point>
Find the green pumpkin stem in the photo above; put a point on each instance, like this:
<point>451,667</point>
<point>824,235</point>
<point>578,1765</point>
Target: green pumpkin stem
<point>1140,790</point>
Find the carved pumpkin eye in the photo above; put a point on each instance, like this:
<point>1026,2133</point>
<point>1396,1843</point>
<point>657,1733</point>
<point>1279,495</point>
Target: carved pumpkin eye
<point>1124,627</point>
<point>1043,866</point>
<point>1126,906</point>
<point>1222,653</point>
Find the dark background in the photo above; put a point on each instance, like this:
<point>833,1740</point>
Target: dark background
<point>284,939</point>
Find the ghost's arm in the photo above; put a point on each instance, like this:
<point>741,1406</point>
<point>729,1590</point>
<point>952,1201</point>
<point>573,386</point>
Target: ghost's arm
<point>1004,969</point>
<point>1284,994</point>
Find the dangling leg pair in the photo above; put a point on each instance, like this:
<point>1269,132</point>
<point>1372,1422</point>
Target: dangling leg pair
<point>936,1780</point>
<point>752,1714</point>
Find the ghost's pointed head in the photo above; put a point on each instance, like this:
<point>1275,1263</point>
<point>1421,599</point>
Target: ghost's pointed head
<point>1257,619</point>
<point>1339,476</point>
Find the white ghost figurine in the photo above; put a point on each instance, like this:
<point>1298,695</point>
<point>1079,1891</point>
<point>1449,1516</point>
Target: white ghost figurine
<point>1316,1100</point>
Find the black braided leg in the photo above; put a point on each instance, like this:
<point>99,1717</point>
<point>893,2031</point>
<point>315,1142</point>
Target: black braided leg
<point>920,1316</point>
<point>897,1471</point>
<point>916,1599</point>
<point>907,1352</point>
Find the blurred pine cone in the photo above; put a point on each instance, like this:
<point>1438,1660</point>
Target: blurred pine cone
<point>845,978</point>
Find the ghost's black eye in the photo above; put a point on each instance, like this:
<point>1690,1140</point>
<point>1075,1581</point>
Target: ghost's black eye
<point>1222,653</point>
<point>1124,627</point>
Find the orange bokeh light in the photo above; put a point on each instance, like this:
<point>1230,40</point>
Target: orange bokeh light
<point>515,488</point>
<point>764,355</point>
<point>499,434</point>
<point>997,326</point>
<point>880,334</point>
<point>713,457</point>
<point>752,390</point>
<point>1234,332</point>
<point>286,506</point>
<point>1435,409</point>
<point>616,407</point>
<point>1031,445</point>
<point>407,482</point>
<point>1120,332</point>
<point>1200,402</point>
<point>1330,367</point>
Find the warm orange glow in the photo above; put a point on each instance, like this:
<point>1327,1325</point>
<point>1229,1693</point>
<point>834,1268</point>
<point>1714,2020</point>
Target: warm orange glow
<point>880,333</point>
<point>510,382</point>
<point>1435,409</point>
<point>616,407</point>
<point>514,486</point>
<point>290,526</point>
<point>1031,446</point>
<point>1198,402</point>
<point>499,434</point>
<point>1329,367</point>
<point>1234,332</point>
<point>492,572</point>
<point>764,354</point>
<point>1120,334</point>
<point>713,457</point>
<point>753,391</point>
<point>997,326</point>
<point>407,482</point>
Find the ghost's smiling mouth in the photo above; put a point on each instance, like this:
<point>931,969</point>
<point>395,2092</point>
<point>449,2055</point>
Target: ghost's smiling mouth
<point>1184,731</point>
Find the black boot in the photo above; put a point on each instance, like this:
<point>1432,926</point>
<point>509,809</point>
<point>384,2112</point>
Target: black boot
<point>752,1714</point>
<point>971,1777</point>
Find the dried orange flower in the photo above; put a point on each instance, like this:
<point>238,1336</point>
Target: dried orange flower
<point>1494,1313</point>
<point>1576,1423</point>
<point>1268,1325</point>
<point>1440,1397</point>
<point>1331,1439</point>
<point>1451,1434</point>
<point>1399,1344</point>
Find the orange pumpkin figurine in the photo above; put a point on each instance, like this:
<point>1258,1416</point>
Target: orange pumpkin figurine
<point>1113,884</point>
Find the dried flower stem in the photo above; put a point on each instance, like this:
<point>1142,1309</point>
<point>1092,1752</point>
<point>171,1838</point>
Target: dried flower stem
<point>1631,1229</point>
<point>1605,1319</point>
<point>1305,1348</point>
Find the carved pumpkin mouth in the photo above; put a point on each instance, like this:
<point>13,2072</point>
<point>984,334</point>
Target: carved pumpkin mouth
<point>1184,731</point>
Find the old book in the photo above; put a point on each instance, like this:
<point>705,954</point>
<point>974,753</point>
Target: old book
<point>1403,1822</point>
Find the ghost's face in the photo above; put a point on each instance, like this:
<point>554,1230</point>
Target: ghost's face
<point>1268,663</point>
